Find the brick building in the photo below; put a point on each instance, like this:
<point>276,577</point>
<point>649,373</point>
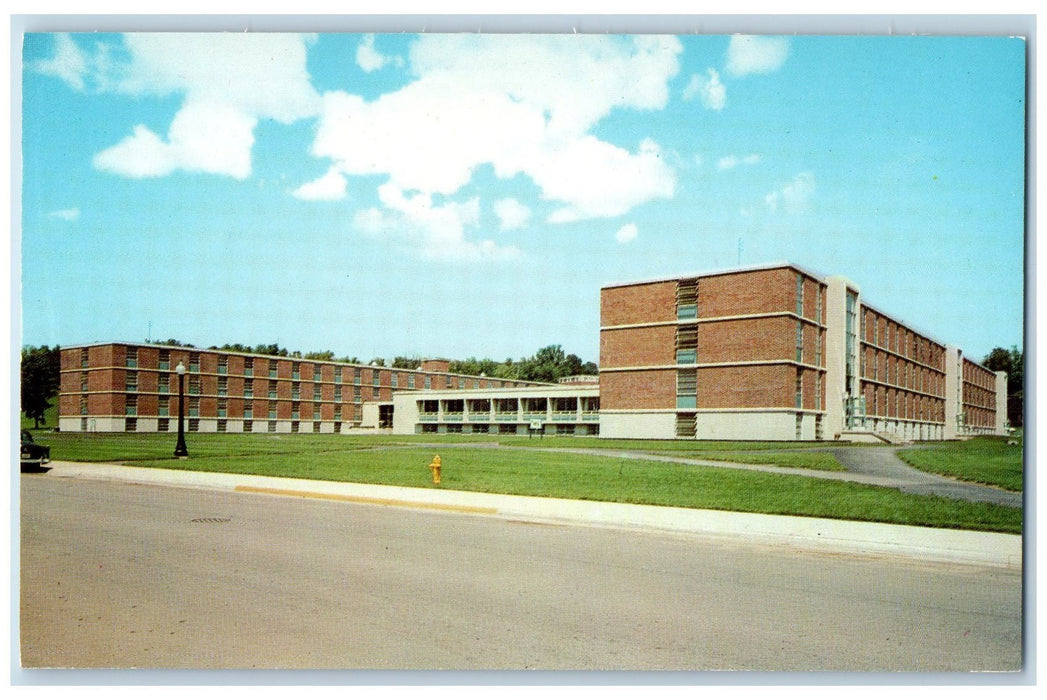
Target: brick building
<point>118,387</point>
<point>780,353</point>
<point>762,353</point>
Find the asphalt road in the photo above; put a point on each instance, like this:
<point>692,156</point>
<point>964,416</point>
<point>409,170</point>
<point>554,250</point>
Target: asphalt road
<point>116,575</point>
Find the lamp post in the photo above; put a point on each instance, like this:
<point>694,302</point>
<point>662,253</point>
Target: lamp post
<point>180,449</point>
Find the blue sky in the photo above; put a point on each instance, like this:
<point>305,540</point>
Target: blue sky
<point>467,195</point>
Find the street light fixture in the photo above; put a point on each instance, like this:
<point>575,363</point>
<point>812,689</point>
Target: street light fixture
<point>180,449</point>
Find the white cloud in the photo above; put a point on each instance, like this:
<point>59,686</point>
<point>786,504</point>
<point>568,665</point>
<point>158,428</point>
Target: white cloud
<point>511,214</point>
<point>69,63</point>
<point>709,89</point>
<point>204,137</point>
<point>369,59</point>
<point>756,54</point>
<point>733,161</point>
<point>66,214</point>
<point>328,187</point>
<point>512,102</point>
<point>438,232</point>
<point>626,233</point>
<point>229,81</point>
<point>793,197</point>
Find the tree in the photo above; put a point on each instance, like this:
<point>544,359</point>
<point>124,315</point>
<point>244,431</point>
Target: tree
<point>41,378</point>
<point>1013,363</point>
<point>401,362</point>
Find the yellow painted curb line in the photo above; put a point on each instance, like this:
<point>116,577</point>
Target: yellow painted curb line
<point>367,500</point>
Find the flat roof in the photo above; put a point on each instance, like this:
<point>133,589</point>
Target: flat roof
<point>723,271</point>
<point>291,358</point>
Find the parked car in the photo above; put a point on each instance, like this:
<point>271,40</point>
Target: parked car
<point>33,456</point>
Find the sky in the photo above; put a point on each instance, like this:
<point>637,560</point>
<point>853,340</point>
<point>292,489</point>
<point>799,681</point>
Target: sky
<point>467,195</point>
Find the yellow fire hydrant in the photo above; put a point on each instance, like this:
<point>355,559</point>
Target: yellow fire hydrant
<point>435,466</point>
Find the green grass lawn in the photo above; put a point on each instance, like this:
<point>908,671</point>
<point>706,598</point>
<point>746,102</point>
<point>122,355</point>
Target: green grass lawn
<point>983,460</point>
<point>469,466</point>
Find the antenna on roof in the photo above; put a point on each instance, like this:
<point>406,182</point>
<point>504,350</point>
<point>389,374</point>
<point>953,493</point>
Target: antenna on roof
<point>739,252</point>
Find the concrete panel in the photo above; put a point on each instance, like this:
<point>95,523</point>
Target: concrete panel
<point>638,425</point>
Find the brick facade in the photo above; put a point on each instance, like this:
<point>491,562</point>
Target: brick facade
<point>117,387</point>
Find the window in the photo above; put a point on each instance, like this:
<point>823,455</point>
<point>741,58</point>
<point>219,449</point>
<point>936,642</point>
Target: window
<point>132,381</point>
<point>338,393</point>
<point>223,411</point>
<point>686,345</point>
<point>272,369</point>
<point>799,341</point>
<point>248,411</point>
<point>248,388</point>
<point>131,359</point>
<point>163,408</point>
<point>131,425</point>
<point>392,380</point>
<point>83,358</point>
<point>221,426</point>
<point>83,381</point>
<point>131,406</point>
<point>374,377</point>
<point>272,390</point>
<point>687,299</point>
<point>164,384</point>
<point>249,368</point>
<point>686,357</point>
<point>799,388</point>
<point>223,365</point>
<point>271,426</point>
<point>296,391</point>
<point>410,381</point>
<point>163,425</point>
<point>296,370</point>
<point>317,393</point>
<point>194,385</point>
<point>686,425</point>
<point>223,386</point>
<point>356,376</point>
<point>194,408</point>
<point>686,388</point>
<point>428,382</point>
<point>272,409</point>
<point>194,362</point>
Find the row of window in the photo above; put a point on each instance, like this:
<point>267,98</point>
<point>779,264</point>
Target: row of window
<point>339,373</point>
<point>888,335</point>
<point>222,426</point>
<point>878,366</point>
<point>170,408</point>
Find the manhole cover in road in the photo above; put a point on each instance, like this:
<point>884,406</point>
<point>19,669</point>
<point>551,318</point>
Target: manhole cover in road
<point>211,520</point>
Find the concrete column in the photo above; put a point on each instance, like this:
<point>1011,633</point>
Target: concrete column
<point>836,390</point>
<point>953,390</point>
<point>1001,403</point>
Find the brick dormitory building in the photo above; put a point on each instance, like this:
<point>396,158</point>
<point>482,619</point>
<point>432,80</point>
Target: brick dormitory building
<point>762,353</point>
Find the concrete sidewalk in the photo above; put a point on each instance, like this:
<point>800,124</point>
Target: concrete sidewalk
<point>810,534</point>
